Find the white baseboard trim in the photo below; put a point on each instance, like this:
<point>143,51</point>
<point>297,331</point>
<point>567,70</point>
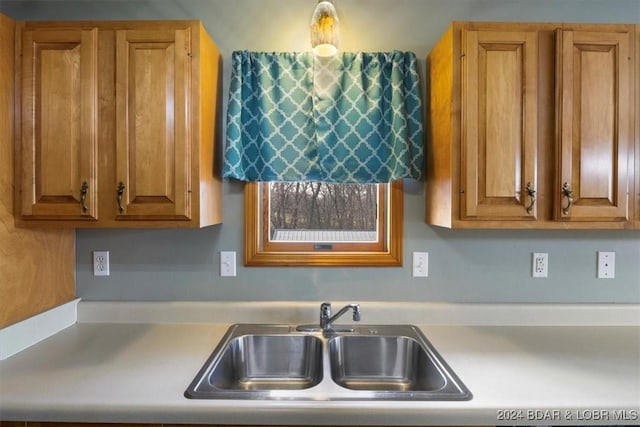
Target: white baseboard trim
<point>24,334</point>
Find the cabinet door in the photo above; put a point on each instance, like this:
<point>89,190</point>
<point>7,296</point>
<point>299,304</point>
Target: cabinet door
<point>595,112</point>
<point>499,125</point>
<point>58,178</point>
<point>152,125</point>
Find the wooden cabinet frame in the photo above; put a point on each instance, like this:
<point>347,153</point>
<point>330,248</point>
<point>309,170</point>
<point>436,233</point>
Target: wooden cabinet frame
<point>146,125</point>
<point>459,191</point>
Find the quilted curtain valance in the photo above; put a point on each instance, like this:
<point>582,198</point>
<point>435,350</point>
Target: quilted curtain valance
<point>354,118</point>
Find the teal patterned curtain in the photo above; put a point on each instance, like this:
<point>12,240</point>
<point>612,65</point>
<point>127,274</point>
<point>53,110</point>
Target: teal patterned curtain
<point>353,118</point>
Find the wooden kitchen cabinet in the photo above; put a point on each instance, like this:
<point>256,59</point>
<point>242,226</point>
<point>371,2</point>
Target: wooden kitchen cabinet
<point>498,151</point>
<point>152,132</point>
<point>118,125</point>
<point>595,125</point>
<point>517,111</point>
<point>59,141</point>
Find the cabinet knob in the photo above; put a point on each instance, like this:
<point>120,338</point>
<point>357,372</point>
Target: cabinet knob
<point>568,193</point>
<point>120,191</point>
<point>532,195</point>
<point>84,189</point>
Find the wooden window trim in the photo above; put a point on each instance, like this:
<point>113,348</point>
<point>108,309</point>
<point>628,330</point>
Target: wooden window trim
<point>255,254</point>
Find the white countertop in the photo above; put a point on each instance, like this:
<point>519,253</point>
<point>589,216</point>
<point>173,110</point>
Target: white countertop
<point>137,371</point>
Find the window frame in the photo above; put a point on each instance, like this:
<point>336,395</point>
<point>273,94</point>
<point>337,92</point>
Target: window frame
<point>293,254</point>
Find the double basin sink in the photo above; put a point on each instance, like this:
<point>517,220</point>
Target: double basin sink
<point>369,362</point>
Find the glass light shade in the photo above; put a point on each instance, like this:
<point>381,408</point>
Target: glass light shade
<point>325,29</point>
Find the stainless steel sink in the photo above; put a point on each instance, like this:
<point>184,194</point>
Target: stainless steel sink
<point>371,362</point>
<point>269,362</point>
<point>253,360</point>
<point>387,363</point>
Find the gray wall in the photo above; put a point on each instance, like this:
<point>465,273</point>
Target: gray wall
<point>465,266</point>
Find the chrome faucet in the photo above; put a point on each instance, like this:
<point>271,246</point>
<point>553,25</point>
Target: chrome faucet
<point>326,320</point>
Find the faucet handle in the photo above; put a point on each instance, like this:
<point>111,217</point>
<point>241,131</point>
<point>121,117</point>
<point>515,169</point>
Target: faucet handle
<point>325,309</point>
<point>325,314</point>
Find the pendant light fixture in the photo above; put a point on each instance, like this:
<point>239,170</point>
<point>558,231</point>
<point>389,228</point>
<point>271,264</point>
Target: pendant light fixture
<point>325,29</point>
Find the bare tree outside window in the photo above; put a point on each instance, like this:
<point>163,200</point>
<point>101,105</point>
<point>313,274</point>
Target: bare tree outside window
<point>315,211</point>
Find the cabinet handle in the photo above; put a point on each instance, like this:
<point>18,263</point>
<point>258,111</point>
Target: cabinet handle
<point>120,193</point>
<point>566,190</point>
<point>84,188</point>
<point>532,194</point>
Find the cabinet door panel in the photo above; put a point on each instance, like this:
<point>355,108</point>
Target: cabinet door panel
<point>594,94</point>
<point>59,121</point>
<point>499,125</point>
<point>153,135</point>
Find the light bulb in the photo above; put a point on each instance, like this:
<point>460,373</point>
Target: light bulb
<point>325,29</point>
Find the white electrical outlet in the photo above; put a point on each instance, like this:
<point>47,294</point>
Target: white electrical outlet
<point>100,263</point>
<point>421,264</point>
<point>227,263</point>
<point>606,265</point>
<point>539,264</point>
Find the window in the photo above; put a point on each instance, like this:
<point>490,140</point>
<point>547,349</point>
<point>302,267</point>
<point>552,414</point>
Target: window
<point>319,224</point>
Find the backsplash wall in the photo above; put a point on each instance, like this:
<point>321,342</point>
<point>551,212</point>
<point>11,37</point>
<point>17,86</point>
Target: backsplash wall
<point>465,265</point>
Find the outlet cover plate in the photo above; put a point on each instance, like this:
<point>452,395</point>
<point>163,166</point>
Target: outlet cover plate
<point>540,265</point>
<point>227,263</point>
<point>100,263</point>
<point>606,265</point>
<point>421,264</point>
